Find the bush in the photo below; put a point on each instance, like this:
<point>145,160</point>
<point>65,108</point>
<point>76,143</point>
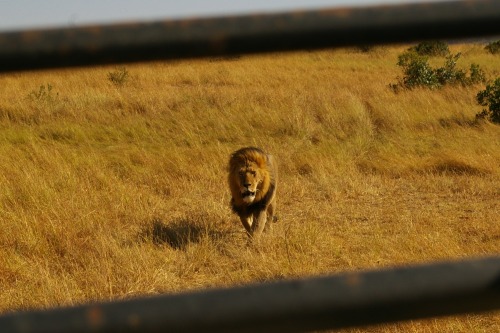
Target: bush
<point>493,47</point>
<point>450,75</point>
<point>490,97</point>
<point>431,48</point>
<point>418,72</point>
<point>44,94</point>
<point>477,75</point>
<point>118,77</point>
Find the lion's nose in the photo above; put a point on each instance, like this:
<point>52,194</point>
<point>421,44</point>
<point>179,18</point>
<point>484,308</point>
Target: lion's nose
<point>247,184</point>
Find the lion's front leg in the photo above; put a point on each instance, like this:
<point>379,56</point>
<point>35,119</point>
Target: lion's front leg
<point>270,215</point>
<point>259,223</point>
<point>247,222</point>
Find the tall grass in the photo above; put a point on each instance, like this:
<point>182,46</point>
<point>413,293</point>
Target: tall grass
<point>114,191</point>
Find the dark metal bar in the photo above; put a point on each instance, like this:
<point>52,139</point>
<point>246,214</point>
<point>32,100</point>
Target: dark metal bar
<point>313,29</point>
<point>345,300</point>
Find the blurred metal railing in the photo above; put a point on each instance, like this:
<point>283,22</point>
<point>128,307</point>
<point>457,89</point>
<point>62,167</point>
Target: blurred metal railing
<point>345,300</point>
<point>313,29</point>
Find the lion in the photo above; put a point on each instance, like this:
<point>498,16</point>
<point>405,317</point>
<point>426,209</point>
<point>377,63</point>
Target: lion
<point>252,181</point>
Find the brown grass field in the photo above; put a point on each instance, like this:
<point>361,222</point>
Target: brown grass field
<point>111,192</point>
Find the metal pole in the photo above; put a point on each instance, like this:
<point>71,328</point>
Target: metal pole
<point>314,29</point>
<point>340,301</point>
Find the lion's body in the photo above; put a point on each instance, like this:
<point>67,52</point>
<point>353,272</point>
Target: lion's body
<point>252,180</point>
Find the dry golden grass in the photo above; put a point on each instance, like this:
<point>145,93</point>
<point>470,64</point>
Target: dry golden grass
<point>113,192</point>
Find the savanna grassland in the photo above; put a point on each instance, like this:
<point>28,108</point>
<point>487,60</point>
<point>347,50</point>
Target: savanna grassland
<point>110,191</point>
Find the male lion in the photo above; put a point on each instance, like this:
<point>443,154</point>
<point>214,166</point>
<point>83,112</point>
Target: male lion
<point>252,180</point>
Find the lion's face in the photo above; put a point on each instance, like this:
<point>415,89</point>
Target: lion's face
<point>249,178</point>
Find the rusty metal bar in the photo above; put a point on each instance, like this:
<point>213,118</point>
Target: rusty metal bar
<point>340,301</point>
<point>92,45</point>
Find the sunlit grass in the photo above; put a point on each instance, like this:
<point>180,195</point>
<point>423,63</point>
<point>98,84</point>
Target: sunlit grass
<point>114,191</point>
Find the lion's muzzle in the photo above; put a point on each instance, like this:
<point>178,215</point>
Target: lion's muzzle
<point>248,196</point>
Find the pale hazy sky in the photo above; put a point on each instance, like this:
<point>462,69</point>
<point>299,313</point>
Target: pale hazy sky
<point>21,14</point>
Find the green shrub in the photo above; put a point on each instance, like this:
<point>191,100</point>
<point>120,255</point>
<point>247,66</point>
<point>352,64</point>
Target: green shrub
<point>44,94</point>
<point>477,75</point>
<point>493,47</point>
<point>490,97</point>
<point>418,72</point>
<point>431,48</point>
<point>449,74</point>
<point>119,76</point>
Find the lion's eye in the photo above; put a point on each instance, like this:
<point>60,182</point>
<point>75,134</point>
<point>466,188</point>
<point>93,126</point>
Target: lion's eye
<point>253,173</point>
